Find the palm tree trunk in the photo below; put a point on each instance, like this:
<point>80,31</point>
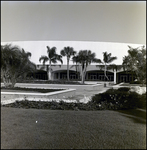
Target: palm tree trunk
<point>49,74</point>
<point>83,77</point>
<point>49,71</point>
<point>105,72</point>
<point>68,69</point>
<point>83,74</point>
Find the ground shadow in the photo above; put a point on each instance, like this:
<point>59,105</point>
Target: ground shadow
<point>137,115</point>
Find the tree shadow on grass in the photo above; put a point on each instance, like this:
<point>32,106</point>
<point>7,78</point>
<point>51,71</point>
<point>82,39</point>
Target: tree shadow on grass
<point>137,115</point>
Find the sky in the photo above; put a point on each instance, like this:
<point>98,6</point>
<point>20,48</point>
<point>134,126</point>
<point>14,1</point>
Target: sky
<point>103,21</point>
<point>96,25</point>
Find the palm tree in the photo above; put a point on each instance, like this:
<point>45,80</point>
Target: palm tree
<point>77,65</point>
<point>107,58</point>
<point>52,57</point>
<point>68,52</point>
<point>14,63</point>
<point>141,65</point>
<point>130,61</point>
<point>85,58</point>
<point>25,63</point>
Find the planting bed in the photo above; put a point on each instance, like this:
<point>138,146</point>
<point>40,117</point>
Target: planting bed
<point>24,90</point>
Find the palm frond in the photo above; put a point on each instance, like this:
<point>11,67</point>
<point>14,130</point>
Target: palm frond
<point>97,60</point>
<point>59,58</point>
<point>44,59</point>
<point>54,60</point>
<point>51,51</point>
<point>111,59</point>
<point>62,52</point>
<point>68,52</point>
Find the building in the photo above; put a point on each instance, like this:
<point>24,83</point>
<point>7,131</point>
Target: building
<point>94,73</point>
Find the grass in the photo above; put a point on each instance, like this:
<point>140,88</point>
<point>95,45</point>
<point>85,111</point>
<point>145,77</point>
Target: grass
<point>58,129</point>
<point>3,89</point>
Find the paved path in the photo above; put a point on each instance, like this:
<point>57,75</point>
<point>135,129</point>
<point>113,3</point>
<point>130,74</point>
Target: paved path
<point>83,92</point>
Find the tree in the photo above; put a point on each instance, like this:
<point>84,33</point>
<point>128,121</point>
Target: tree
<point>107,59</point>
<point>141,65</point>
<point>52,57</point>
<point>85,58</point>
<point>68,52</point>
<point>129,62</point>
<point>77,65</point>
<point>135,62</point>
<point>14,63</point>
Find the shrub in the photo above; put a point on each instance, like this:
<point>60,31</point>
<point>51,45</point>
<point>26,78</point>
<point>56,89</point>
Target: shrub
<point>135,82</point>
<point>120,98</point>
<point>123,89</point>
<point>142,101</point>
<point>131,100</point>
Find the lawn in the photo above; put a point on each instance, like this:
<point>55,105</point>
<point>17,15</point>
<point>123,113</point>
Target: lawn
<point>63,129</point>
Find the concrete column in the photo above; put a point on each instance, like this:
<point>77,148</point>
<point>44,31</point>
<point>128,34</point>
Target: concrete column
<point>114,76</point>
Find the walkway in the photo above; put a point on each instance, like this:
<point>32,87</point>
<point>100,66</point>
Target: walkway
<point>83,92</point>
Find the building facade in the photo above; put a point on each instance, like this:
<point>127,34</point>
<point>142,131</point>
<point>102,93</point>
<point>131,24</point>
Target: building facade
<point>93,73</point>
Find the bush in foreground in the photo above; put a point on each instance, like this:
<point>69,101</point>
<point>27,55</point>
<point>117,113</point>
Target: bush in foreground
<point>121,98</point>
<point>53,105</point>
